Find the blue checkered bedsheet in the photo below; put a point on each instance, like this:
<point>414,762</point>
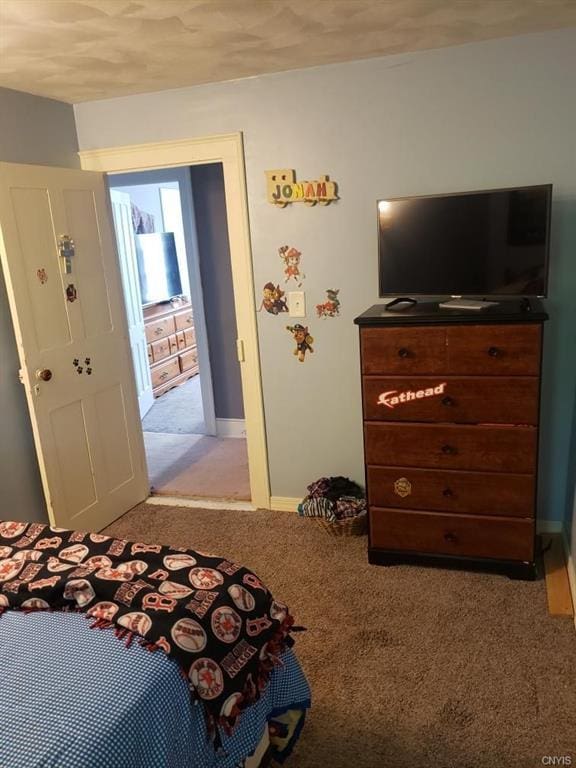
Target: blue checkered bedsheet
<point>75,697</point>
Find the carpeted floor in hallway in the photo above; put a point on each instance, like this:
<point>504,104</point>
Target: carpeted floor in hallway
<point>409,667</point>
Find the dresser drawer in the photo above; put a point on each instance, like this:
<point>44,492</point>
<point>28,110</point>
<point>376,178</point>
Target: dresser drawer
<point>188,360</point>
<point>173,341</point>
<point>463,535</point>
<point>403,350</point>
<point>460,492</point>
<point>159,329</point>
<point>161,349</point>
<point>184,320</point>
<point>164,372</point>
<point>494,350</point>
<point>464,400</point>
<point>452,446</point>
<point>180,340</point>
<point>150,355</point>
<point>189,337</point>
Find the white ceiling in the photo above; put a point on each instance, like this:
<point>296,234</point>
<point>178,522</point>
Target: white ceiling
<point>78,50</point>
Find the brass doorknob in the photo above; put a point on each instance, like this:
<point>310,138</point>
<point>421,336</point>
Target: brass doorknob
<point>45,374</point>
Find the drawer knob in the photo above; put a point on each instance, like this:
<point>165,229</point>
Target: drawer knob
<point>494,352</point>
<point>403,352</point>
<point>448,493</point>
<point>448,450</point>
<point>447,401</point>
<point>451,538</point>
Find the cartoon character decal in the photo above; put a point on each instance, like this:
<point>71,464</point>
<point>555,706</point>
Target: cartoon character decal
<point>331,307</point>
<point>273,299</point>
<point>291,258</point>
<point>303,340</point>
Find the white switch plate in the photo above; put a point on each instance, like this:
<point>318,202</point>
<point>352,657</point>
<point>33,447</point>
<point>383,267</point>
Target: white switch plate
<point>296,304</point>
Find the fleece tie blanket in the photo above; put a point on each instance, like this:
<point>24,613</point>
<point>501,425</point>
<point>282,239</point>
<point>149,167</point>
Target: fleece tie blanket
<point>214,617</point>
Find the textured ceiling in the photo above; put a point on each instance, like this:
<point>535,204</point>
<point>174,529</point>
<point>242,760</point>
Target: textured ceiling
<point>78,50</point>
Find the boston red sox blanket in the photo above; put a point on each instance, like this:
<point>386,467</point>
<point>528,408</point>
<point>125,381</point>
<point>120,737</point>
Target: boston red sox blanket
<point>214,617</point>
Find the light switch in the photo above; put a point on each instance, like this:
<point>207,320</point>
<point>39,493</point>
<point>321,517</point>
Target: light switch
<point>296,304</point>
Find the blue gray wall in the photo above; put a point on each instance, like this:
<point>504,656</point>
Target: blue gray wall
<point>202,197</point>
<point>212,232</point>
<point>39,131</point>
<point>492,114</point>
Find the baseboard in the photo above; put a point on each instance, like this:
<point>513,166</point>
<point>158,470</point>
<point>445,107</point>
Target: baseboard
<point>284,503</point>
<point>571,568</point>
<point>549,526</point>
<point>231,427</point>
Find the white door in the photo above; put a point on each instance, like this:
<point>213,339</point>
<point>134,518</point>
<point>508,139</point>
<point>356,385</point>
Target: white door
<point>122,212</point>
<point>73,343</point>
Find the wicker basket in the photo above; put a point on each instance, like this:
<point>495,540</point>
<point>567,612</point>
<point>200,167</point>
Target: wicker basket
<point>348,526</point>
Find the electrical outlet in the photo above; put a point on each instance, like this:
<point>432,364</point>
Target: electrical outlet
<point>296,304</point>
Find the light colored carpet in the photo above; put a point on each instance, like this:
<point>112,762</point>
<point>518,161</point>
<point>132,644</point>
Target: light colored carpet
<point>409,667</point>
<point>197,465</point>
<point>178,411</point>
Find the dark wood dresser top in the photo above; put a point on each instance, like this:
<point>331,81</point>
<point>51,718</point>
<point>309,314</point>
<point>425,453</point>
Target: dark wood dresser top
<point>426,313</point>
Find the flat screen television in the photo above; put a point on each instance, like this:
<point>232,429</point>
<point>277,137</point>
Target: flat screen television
<point>480,244</point>
<point>158,267</point>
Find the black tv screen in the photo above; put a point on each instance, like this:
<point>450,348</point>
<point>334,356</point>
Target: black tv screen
<point>492,243</point>
<point>158,267</point>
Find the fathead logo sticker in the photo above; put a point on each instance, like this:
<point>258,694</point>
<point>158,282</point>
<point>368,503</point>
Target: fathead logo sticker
<point>393,398</point>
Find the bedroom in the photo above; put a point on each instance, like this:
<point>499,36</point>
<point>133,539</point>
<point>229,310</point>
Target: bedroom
<point>483,115</point>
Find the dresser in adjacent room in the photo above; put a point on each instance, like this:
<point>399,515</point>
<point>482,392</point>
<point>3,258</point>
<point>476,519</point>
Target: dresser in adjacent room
<point>451,418</point>
<point>172,351</point>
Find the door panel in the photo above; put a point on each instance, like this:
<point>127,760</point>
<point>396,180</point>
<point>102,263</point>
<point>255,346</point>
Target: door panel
<point>121,209</point>
<point>85,415</point>
<point>109,404</point>
<point>43,288</point>
<point>90,272</point>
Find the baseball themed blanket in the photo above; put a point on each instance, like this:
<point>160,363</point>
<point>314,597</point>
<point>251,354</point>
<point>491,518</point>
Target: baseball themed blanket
<point>214,617</point>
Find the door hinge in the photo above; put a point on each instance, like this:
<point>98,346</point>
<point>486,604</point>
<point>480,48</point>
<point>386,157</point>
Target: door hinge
<point>20,375</point>
<point>240,350</point>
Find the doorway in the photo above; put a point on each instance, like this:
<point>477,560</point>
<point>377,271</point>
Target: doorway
<point>179,298</point>
<point>228,150</point>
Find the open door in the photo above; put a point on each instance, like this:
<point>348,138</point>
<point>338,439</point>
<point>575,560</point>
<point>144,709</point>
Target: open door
<point>66,304</point>
<point>122,212</point>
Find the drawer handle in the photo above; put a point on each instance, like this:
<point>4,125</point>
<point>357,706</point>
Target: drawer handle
<point>448,493</point>
<point>494,352</point>
<point>447,401</point>
<point>403,352</point>
<point>449,450</point>
<point>158,330</point>
<point>451,538</point>
<point>163,376</point>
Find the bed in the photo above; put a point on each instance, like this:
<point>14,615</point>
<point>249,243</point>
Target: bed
<point>75,697</point>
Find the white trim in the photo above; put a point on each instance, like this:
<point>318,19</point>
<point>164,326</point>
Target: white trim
<point>231,427</point>
<point>199,503</point>
<point>228,150</point>
<point>284,503</point>
<point>571,568</point>
<point>549,526</point>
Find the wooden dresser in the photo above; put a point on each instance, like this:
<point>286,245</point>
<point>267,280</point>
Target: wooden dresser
<point>172,351</point>
<point>451,414</point>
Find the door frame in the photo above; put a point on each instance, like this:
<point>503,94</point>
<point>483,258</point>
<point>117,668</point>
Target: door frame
<point>228,150</point>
